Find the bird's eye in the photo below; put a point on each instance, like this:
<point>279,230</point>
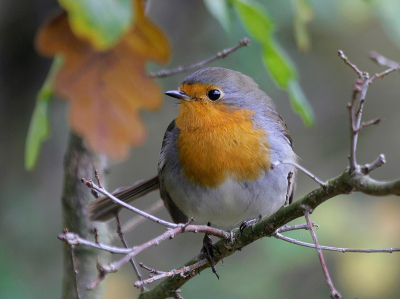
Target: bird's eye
<point>214,94</point>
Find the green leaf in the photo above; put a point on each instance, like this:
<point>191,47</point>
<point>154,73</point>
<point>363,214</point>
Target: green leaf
<point>39,128</point>
<point>303,14</point>
<point>220,9</point>
<point>278,63</point>
<point>255,19</point>
<point>300,103</point>
<point>102,22</point>
<point>259,25</point>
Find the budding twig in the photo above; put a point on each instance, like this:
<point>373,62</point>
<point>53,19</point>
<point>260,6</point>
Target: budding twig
<point>181,69</point>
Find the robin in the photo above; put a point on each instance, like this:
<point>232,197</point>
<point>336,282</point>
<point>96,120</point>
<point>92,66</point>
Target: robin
<point>217,156</point>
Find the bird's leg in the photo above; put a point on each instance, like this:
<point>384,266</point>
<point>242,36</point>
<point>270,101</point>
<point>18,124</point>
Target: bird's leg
<point>207,248</point>
<point>247,223</point>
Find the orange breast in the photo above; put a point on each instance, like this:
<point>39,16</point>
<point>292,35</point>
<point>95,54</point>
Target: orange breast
<point>215,142</point>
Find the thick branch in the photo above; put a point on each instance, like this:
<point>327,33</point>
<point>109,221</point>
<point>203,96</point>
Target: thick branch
<point>343,184</point>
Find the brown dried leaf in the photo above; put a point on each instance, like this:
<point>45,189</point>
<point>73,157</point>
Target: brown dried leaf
<point>107,89</point>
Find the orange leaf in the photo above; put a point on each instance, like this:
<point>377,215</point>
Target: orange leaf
<point>107,89</point>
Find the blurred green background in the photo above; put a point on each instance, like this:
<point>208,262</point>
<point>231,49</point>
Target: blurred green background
<point>30,210</point>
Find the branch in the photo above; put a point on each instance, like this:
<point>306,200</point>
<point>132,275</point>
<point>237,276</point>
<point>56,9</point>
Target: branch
<point>367,168</point>
<point>181,69</point>
<point>383,61</point>
<point>74,239</point>
<point>353,66</point>
<point>343,184</point>
<point>137,220</point>
<point>91,185</point>
<point>330,248</point>
<point>184,272</point>
<point>302,169</point>
<point>122,238</point>
<point>334,293</point>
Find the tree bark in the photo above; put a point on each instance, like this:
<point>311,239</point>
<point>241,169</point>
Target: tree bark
<point>79,163</point>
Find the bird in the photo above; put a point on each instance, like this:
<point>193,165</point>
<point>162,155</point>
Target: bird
<point>219,156</point>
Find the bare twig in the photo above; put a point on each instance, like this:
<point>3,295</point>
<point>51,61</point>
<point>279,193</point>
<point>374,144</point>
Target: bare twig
<point>103,271</point>
<point>137,220</point>
<point>368,123</point>
<point>339,249</point>
<point>91,185</point>
<point>169,234</point>
<point>359,91</point>
<point>151,270</point>
<point>346,60</point>
<point>74,239</point>
<point>180,69</point>
<point>132,260</point>
<point>382,60</point>
<point>184,272</point>
<point>96,235</point>
<point>378,162</point>
<point>287,228</point>
<point>71,248</point>
<point>97,176</point>
<point>334,293</point>
<point>383,74</point>
<point>302,169</point>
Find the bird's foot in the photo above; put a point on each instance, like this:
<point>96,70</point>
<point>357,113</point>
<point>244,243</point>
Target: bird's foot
<point>207,250</point>
<point>247,223</point>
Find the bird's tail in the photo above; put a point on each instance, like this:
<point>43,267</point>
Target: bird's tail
<point>103,208</point>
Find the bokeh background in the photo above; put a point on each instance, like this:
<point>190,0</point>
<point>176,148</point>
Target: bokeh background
<point>30,210</point>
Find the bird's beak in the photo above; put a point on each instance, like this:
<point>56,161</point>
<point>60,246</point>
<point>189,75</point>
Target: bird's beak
<point>179,94</point>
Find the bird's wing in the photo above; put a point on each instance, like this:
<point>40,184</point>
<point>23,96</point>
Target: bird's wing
<point>169,141</point>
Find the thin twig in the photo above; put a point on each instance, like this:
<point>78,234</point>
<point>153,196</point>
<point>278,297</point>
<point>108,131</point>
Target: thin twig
<point>180,69</point>
<point>71,248</point>
<point>91,185</point>
<point>287,228</point>
<point>186,269</point>
<point>382,60</point>
<point>103,271</point>
<point>302,169</point>
<point>74,239</point>
<point>339,249</point>
<point>334,293</point>
<point>359,91</point>
<point>151,270</point>
<point>368,123</point>
<point>132,260</point>
<point>378,162</point>
<point>384,73</point>
<point>169,234</point>
<point>137,220</point>
<point>97,176</point>
<point>346,60</point>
